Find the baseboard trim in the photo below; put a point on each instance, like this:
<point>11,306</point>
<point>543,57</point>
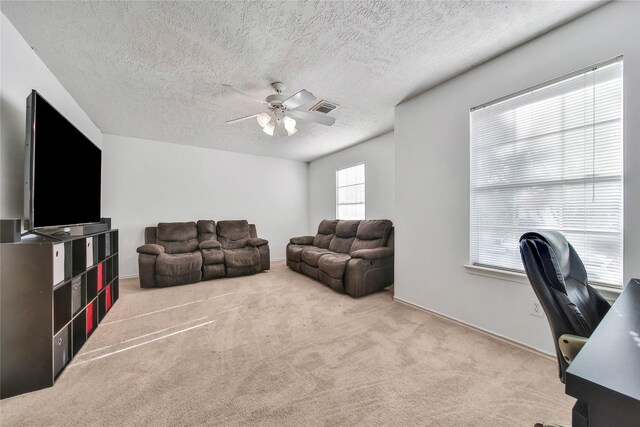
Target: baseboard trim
<point>483,331</point>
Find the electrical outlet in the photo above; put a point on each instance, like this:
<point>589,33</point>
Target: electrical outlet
<point>536,309</point>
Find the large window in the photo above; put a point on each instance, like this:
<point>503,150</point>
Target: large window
<point>350,192</point>
<point>550,158</point>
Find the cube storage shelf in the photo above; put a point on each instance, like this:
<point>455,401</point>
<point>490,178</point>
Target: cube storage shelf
<point>54,295</point>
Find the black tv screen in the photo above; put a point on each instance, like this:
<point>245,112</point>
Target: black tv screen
<point>63,169</point>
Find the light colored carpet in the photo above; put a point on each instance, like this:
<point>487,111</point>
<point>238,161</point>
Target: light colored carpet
<point>283,349</point>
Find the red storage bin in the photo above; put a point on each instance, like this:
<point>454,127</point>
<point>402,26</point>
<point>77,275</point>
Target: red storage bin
<point>100,276</point>
<point>90,324</point>
<point>108,300</point>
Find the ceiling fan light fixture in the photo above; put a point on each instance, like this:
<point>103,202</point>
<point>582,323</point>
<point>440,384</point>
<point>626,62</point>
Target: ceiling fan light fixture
<point>268,129</point>
<point>263,119</point>
<point>279,118</point>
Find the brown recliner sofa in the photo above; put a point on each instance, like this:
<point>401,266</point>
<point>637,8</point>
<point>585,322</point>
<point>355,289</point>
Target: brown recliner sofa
<point>353,257</point>
<point>177,253</point>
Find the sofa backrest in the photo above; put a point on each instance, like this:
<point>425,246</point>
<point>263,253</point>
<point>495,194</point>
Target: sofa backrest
<point>177,237</point>
<point>371,234</point>
<point>233,234</point>
<point>206,230</point>
<point>326,232</point>
<point>150,235</point>
<point>345,236</point>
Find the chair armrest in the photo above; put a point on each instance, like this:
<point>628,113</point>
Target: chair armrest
<point>302,240</point>
<point>377,253</point>
<point>210,244</point>
<point>570,346</point>
<point>150,249</point>
<point>256,241</point>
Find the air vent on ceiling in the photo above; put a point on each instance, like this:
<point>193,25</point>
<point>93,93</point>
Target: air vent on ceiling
<point>324,107</point>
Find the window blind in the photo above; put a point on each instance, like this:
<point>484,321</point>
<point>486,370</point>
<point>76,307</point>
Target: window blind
<point>551,159</point>
<point>350,201</point>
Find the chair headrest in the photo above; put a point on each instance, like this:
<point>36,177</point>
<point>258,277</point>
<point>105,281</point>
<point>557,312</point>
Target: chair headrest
<point>559,247</point>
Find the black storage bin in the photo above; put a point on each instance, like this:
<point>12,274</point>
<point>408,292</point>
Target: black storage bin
<point>61,350</point>
<point>77,294</point>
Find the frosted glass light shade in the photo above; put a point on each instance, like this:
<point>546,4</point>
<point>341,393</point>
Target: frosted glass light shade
<point>263,119</point>
<point>291,131</point>
<point>268,129</point>
<point>289,124</point>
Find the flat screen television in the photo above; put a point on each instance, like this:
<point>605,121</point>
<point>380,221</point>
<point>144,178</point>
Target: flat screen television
<point>62,170</point>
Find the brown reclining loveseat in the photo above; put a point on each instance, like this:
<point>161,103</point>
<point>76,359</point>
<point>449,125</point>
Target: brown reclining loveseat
<point>177,253</point>
<point>353,257</point>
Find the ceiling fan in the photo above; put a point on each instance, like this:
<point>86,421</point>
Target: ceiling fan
<point>282,112</point>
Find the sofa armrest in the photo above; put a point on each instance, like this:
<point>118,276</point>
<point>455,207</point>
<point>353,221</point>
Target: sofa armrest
<point>377,253</point>
<point>256,241</point>
<point>210,244</point>
<point>302,240</point>
<point>150,249</point>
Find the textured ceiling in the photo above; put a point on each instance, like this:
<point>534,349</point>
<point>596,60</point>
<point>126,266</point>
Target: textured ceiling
<point>153,69</point>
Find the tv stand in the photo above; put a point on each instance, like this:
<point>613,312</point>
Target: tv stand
<point>56,289</point>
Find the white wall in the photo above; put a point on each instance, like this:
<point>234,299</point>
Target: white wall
<point>21,70</point>
<point>432,173</point>
<point>146,182</point>
<point>378,155</point>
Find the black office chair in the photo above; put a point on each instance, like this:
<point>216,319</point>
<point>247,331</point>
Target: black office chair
<point>573,308</point>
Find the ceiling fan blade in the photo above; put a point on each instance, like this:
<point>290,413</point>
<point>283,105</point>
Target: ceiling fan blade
<point>300,98</point>
<point>243,93</point>
<point>242,118</point>
<point>308,116</point>
<point>282,131</point>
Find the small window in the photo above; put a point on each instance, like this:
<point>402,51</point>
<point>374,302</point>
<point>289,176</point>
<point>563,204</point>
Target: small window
<point>350,192</point>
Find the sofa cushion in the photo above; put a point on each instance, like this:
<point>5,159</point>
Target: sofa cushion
<point>294,252</point>
<point>178,264</point>
<point>326,231</point>
<point>334,264</point>
<point>371,234</point>
<point>233,234</point>
<point>242,257</point>
<point>206,230</point>
<point>178,237</point>
<point>345,235</point>
<point>311,255</point>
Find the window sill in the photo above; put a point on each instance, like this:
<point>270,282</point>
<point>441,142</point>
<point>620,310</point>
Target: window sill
<point>495,273</point>
<point>610,294</point>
